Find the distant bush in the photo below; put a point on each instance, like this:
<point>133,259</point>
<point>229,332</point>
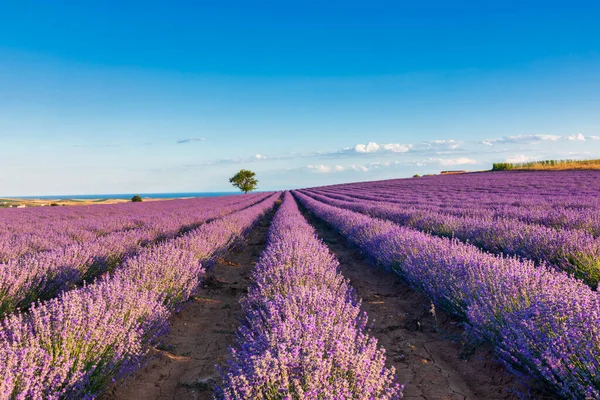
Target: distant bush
<point>54,205</point>
<point>501,166</point>
<point>136,199</point>
<point>416,176</point>
<point>548,165</point>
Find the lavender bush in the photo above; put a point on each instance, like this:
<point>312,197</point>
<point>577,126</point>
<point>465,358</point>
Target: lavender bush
<point>303,336</point>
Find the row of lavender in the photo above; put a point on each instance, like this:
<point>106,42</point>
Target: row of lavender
<point>571,250</point>
<point>303,335</point>
<point>541,322</point>
<point>575,188</point>
<point>75,345</point>
<point>26,231</point>
<point>534,211</point>
<point>565,199</point>
<point>45,274</point>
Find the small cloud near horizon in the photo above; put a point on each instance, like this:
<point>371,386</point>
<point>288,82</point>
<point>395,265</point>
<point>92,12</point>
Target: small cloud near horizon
<point>519,158</point>
<point>323,169</point>
<point>521,139</point>
<point>582,138</point>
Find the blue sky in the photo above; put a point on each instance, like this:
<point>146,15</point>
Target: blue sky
<point>119,97</point>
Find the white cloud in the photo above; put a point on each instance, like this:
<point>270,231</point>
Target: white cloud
<point>377,165</point>
<point>324,169</point>
<point>373,147</point>
<point>444,162</point>
<point>520,158</point>
<point>521,139</point>
<point>582,138</point>
<point>450,162</point>
<point>396,147</point>
<point>440,145</point>
<point>354,167</point>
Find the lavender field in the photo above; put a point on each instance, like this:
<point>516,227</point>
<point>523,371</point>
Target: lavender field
<point>516,256</point>
<point>372,290</point>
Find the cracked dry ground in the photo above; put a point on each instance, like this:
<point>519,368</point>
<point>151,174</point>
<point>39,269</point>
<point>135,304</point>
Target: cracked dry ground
<point>201,333</point>
<point>425,349</point>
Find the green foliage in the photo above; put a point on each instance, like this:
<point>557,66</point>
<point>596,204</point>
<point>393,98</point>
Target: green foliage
<point>501,166</point>
<point>244,180</point>
<point>547,165</point>
<point>416,176</point>
<point>136,199</point>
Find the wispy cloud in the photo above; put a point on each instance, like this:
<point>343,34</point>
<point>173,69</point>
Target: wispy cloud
<point>521,139</point>
<point>359,168</point>
<point>190,140</point>
<point>376,149</point>
<point>372,156</point>
<point>448,162</point>
<point>451,162</point>
<point>324,169</point>
<point>438,145</point>
<point>519,158</point>
<point>240,160</point>
<point>378,165</point>
<point>373,147</point>
<point>580,137</point>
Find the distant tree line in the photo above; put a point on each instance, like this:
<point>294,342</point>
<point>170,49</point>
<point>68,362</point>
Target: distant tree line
<point>548,165</point>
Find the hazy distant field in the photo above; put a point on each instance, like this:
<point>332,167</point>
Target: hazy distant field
<point>6,202</point>
<point>75,200</point>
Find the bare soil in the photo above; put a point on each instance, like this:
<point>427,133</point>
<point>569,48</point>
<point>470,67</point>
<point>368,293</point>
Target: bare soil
<point>423,344</point>
<point>201,333</point>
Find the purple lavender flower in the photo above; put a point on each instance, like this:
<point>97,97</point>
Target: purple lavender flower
<point>303,336</point>
<point>540,321</point>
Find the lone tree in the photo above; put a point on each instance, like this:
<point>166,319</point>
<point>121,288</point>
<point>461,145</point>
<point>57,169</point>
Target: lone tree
<point>136,199</point>
<point>244,180</point>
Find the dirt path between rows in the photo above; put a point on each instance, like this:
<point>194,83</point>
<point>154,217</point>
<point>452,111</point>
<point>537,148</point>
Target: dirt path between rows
<point>201,333</point>
<point>427,361</point>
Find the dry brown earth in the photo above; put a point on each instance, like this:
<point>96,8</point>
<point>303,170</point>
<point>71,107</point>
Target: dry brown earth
<point>424,346</point>
<point>201,333</point>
